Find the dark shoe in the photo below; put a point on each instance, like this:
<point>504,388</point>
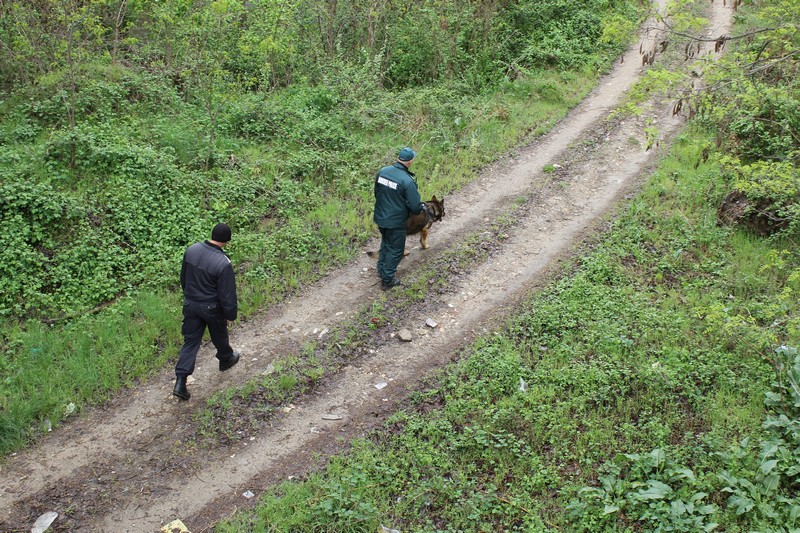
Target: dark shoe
<point>230,363</point>
<point>386,285</point>
<point>180,388</point>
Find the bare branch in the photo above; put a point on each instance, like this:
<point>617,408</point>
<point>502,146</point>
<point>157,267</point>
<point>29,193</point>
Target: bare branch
<point>673,31</point>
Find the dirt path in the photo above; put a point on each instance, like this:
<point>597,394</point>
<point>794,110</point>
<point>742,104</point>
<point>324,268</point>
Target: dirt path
<point>126,467</point>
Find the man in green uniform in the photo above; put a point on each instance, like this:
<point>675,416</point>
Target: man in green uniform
<point>396,197</point>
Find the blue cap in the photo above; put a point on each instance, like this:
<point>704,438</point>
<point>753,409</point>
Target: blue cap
<point>406,154</point>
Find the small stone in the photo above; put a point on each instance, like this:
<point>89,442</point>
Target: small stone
<point>405,335</point>
<point>431,323</point>
<point>380,385</point>
<point>331,417</point>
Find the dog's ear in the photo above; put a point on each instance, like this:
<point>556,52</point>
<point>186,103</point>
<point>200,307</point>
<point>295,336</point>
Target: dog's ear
<point>434,199</point>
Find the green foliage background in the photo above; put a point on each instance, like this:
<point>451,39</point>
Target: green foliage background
<point>654,386</point>
<point>128,128</point>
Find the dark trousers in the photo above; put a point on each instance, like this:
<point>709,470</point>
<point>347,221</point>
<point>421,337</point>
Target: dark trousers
<point>196,317</point>
<point>393,244</point>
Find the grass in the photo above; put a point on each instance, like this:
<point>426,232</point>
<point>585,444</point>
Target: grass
<point>346,341</point>
<point>644,365</point>
<point>86,358</point>
<point>82,362</point>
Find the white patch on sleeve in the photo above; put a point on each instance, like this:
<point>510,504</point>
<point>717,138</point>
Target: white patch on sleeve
<point>387,183</point>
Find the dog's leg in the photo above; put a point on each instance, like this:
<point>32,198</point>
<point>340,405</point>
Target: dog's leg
<point>423,238</point>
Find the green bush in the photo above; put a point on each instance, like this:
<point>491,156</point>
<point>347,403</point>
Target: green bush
<point>131,144</point>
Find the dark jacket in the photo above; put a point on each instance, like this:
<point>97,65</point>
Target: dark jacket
<point>396,196</point>
<point>207,278</point>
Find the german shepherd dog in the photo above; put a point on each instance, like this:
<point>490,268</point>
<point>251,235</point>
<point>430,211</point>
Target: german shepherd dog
<point>421,223</point>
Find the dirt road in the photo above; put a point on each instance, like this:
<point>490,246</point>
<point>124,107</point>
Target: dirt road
<point>127,467</point>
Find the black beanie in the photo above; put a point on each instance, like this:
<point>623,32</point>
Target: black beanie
<point>221,233</point>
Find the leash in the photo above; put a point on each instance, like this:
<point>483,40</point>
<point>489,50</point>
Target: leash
<point>430,216</point>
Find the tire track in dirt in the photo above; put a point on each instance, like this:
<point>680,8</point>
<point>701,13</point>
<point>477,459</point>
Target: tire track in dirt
<point>125,458</point>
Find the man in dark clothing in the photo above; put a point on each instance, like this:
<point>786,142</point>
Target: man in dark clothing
<point>209,300</point>
<point>396,197</point>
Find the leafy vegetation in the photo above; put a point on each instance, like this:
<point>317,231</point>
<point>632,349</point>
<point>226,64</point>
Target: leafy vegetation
<point>127,129</point>
<point>653,387</point>
<point>628,395</point>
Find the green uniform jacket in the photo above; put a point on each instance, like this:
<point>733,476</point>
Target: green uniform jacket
<point>396,196</point>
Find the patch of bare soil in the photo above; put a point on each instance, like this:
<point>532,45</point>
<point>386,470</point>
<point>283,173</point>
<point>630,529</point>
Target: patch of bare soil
<point>139,463</point>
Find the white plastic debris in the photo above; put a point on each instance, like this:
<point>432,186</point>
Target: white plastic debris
<point>247,494</point>
<point>431,323</point>
<point>523,387</point>
<point>44,521</point>
<point>175,526</point>
<point>380,385</point>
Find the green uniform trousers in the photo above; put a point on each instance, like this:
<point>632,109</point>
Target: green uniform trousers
<point>393,244</point>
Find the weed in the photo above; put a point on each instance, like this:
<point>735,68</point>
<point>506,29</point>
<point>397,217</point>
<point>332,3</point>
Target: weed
<point>639,348</point>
